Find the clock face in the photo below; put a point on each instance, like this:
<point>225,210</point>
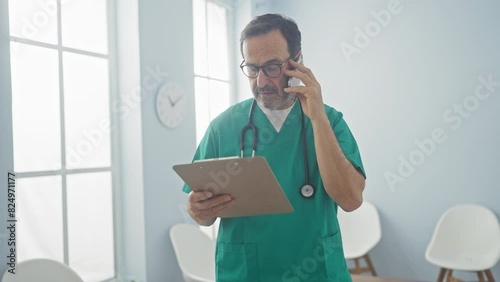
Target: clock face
<point>171,104</point>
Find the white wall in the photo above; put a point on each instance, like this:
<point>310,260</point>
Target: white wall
<point>395,92</point>
<point>166,45</point>
<point>131,258</point>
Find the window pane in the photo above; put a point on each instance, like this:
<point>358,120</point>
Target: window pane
<point>84,25</point>
<point>39,218</point>
<point>200,37</point>
<point>212,98</point>
<point>35,109</point>
<point>219,97</point>
<point>86,100</point>
<point>217,42</point>
<point>34,19</point>
<point>90,225</point>
<point>201,106</point>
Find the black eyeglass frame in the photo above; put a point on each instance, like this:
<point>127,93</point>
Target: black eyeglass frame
<point>280,66</point>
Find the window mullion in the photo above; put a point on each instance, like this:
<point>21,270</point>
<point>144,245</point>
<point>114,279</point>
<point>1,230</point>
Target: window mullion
<point>63,135</point>
<point>60,172</point>
<point>57,47</point>
<point>118,236</point>
<point>207,54</point>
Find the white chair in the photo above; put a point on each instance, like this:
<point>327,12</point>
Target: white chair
<point>466,238</point>
<point>37,270</point>
<point>361,232</point>
<point>195,252</point>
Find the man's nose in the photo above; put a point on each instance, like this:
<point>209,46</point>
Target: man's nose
<point>262,78</point>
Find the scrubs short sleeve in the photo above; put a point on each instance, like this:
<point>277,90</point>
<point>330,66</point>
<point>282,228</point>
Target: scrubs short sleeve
<point>347,142</point>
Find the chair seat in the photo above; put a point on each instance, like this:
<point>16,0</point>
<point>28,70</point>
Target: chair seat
<point>195,253</point>
<point>352,251</point>
<point>467,261</point>
<point>361,231</point>
<point>37,270</point>
<point>466,238</point>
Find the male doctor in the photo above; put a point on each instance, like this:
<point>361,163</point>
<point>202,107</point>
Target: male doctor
<point>301,133</point>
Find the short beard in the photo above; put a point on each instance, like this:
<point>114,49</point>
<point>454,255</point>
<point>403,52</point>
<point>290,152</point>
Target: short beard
<point>284,98</point>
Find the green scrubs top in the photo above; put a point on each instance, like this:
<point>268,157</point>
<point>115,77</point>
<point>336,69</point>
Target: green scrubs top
<point>305,245</point>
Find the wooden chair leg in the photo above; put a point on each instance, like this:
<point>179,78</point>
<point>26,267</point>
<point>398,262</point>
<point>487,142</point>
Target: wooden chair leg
<point>480,276</point>
<point>446,275</point>
<point>489,275</point>
<point>370,265</point>
<point>449,275</point>
<point>442,272</point>
<point>357,268</point>
<point>356,263</point>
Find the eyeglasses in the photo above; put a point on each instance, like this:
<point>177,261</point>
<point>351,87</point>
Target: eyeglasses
<point>270,70</point>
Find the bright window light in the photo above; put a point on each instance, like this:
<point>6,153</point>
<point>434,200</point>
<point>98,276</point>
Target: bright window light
<point>40,221</point>
<point>62,128</point>
<point>211,63</point>
<point>35,108</point>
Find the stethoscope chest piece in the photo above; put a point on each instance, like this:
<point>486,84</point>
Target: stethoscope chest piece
<point>307,191</point>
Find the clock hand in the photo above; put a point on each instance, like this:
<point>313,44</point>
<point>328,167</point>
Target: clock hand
<point>176,101</point>
<point>172,103</point>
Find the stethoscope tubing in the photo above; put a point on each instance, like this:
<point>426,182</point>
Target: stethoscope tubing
<point>248,126</point>
<point>304,146</point>
<point>307,190</point>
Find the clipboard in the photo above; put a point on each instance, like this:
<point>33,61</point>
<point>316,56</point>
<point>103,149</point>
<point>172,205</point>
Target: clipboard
<point>250,181</point>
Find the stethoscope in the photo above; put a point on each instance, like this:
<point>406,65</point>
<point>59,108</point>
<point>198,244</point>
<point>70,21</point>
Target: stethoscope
<point>307,190</point>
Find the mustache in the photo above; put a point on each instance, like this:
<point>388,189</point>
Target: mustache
<point>267,88</point>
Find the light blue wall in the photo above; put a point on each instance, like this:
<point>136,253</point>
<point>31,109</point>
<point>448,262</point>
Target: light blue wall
<point>166,42</point>
<point>131,255</point>
<point>395,92</point>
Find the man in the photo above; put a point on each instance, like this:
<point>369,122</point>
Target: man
<point>305,245</point>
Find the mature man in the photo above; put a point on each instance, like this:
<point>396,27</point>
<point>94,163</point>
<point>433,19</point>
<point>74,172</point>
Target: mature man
<point>312,153</point>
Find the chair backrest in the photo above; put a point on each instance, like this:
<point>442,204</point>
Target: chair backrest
<point>466,229</point>
<point>36,270</point>
<point>195,252</point>
<point>361,230</point>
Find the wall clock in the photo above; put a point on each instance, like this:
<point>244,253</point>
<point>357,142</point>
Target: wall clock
<point>171,104</point>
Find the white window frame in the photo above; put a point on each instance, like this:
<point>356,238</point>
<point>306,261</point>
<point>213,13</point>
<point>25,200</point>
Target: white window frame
<point>114,167</point>
<point>212,230</point>
<point>229,21</point>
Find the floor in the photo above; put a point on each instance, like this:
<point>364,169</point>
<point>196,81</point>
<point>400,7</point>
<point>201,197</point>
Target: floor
<point>362,278</point>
